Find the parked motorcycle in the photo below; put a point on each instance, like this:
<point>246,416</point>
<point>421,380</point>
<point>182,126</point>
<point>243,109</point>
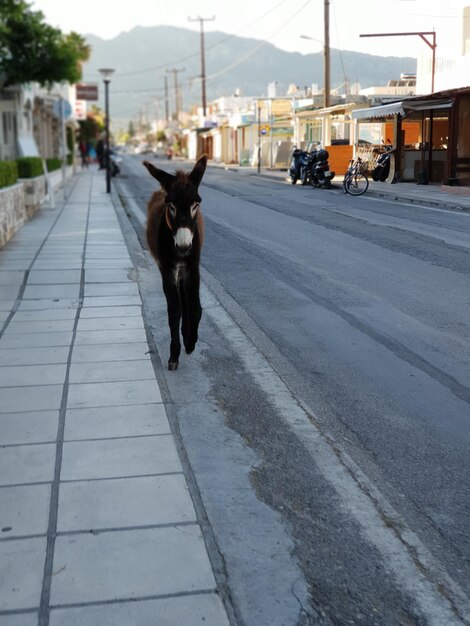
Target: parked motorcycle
<point>319,173</point>
<point>299,164</point>
<point>382,166</point>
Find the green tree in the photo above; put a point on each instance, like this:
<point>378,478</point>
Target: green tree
<point>131,131</point>
<point>91,128</point>
<point>33,51</point>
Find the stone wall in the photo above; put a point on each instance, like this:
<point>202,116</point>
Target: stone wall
<point>34,193</point>
<point>20,202</point>
<point>12,211</point>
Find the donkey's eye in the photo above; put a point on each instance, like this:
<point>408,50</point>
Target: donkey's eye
<point>194,209</point>
<point>172,209</point>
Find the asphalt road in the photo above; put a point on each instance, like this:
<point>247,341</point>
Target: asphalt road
<point>324,417</point>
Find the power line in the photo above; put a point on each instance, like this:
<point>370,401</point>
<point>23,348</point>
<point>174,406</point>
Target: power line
<point>258,47</point>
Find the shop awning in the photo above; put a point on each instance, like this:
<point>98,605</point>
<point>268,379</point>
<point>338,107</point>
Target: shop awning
<point>377,113</point>
<point>400,108</point>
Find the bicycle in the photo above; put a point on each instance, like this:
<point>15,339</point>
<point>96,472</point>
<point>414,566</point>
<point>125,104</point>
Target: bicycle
<point>355,180</point>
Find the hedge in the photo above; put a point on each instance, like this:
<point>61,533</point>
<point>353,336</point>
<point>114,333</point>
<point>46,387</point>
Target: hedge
<point>53,164</point>
<point>8,173</point>
<point>29,167</point>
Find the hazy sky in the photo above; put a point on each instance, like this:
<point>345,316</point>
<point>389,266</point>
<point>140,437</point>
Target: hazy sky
<point>281,22</point>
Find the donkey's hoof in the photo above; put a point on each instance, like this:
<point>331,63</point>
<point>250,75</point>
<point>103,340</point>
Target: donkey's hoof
<point>190,349</point>
<point>172,365</point>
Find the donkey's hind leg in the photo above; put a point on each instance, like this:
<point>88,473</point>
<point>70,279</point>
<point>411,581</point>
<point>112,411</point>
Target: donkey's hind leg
<point>174,318</point>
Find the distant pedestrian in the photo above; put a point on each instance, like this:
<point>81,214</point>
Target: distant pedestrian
<point>91,152</point>
<point>83,153</point>
<point>100,153</point>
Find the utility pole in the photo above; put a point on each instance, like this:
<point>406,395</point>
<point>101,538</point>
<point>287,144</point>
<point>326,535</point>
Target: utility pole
<point>177,90</point>
<point>201,21</point>
<point>167,111</point>
<point>326,68</point>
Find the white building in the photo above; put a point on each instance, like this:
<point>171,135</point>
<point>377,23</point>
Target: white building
<point>452,70</point>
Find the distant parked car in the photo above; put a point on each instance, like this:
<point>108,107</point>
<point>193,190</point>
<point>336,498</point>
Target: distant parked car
<point>143,148</point>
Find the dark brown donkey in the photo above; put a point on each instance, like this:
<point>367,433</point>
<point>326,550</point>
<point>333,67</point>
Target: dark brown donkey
<point>175,231</point>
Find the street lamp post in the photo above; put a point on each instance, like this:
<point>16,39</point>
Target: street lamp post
<point>326,70</point>
<point>106,73</point>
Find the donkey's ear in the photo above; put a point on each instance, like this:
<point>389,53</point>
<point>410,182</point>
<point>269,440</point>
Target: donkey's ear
<point>198,171</point>
<point>166,180</point>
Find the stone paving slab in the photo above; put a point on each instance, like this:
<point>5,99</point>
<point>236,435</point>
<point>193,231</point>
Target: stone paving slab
<point>130,565</point>
<point>119,275</point>
<point>44,277</point>
<point>39,326</point>
<point>26,375</point>
<point>32,427</point>
<point>36,340</point>
<point>21,619</point>
<point>111,289</point>
<point>36,292</point>
<point>33,356</point>
<point>7,305</point>
<point>110,371</point>
<point>114,336</point>
<point>48,304</point>
<point>204,609</point>
<point>115,311</point>
<point>27,464</point>
<point>124,502</point>
<point>21,569</point>
<point>111,301</point>
<point>91,264</point>
<point>30,398</point>
<point>24,509</point>
<point>14,277</point>
<point>9,292</point>
<point>115,458</point>
<point>110,352</point>
<point>110,323</point>
<point>82,395</point>
<point>116,421</point>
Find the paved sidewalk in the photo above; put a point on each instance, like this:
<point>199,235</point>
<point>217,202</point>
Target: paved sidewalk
<point>97,526</point>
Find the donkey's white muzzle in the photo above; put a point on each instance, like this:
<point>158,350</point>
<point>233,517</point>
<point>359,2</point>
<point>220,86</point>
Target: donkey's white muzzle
<point>183,240</point>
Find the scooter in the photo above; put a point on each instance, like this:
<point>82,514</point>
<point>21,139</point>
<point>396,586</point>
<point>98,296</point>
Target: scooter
<point>382,166</point>
<point>320,174</point>
<point>299,162</point>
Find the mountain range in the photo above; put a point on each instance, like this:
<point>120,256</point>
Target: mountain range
<point>143,56</point>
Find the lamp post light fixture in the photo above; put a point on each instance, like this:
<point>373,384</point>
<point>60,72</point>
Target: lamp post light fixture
<point>106,73</point>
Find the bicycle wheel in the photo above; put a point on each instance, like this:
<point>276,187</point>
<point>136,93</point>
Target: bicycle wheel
<point>346,182</point>
<point>357,185</point>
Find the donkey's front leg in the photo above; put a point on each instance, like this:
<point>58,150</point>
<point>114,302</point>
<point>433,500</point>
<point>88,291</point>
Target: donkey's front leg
<point>174,318</point>
<point>192,311</point>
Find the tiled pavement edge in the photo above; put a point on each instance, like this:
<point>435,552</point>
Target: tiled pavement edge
<point>97,526</point>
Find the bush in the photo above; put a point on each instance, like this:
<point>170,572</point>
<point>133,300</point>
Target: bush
<point>8,173</point>
<point>53,164</point>
<point>29,167</point>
